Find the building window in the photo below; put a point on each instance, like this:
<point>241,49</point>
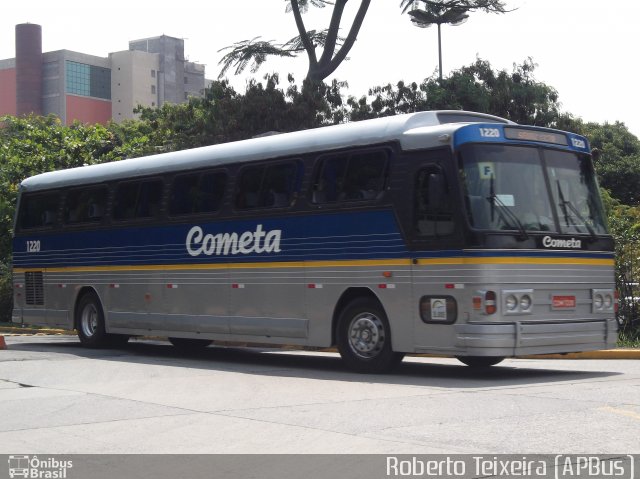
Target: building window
<point>186,80</point>
<point>153,89</point>
<point>153,73</point>
<point>88,80</point>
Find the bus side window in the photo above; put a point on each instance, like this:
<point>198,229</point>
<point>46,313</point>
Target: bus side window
<point>138,199</point>
<point>38,211</point>
<point>351,177</point>
<point>149,199</point>
<point>270,186</point>
<point>195,193</point>
<point>84,206</point>
<point>433,212</point>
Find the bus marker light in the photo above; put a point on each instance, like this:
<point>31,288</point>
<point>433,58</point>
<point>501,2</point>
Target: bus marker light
<point>237,286</point>
<point>62,285</point>
<point>172,286</point>
<point>477,302</point>
<point>114,286</point>
<point>387,286</point>
<point>387,274</point>
<point>314,286</point>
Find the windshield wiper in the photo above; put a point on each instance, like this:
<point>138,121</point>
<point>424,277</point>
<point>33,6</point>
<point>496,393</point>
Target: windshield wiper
<point>505,213</point>
<point>567,217</point>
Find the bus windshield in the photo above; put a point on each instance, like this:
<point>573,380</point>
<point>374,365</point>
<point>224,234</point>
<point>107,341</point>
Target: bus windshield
<point>530,189</point>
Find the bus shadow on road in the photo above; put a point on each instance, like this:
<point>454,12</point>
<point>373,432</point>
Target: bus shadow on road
<point>416,371</point>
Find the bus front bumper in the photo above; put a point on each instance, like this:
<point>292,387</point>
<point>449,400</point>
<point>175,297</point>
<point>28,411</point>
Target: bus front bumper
<point>523,338</point>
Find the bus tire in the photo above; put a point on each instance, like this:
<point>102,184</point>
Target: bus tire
<point>364,337</point>
<point>90,322</point>
<point>480,361</point>
<point>190,344</point>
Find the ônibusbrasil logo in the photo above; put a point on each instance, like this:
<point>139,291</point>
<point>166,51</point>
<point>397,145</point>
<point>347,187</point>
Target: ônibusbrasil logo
<point>36,468</point>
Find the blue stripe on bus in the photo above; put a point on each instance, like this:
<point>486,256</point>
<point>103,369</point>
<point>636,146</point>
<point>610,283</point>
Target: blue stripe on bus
<point>361,235</point>
<point>372,235</point>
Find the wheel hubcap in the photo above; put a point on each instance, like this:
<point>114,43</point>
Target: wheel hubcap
<point>89,320</point>
<point>366,335</point>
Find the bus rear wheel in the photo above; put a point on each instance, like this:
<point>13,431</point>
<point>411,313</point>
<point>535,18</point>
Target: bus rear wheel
<point>480,361</point>
<point>364,337</point>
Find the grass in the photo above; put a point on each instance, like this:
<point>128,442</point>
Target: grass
<point>629,341</point>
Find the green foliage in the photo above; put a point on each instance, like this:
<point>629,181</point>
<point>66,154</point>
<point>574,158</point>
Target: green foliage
<point>515,95</point>
<point>617,157</point>
<point>624,225</point>
<point>224,115</point>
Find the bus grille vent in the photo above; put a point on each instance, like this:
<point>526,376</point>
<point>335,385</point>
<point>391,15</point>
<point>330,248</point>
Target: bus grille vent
<point>34,286</point>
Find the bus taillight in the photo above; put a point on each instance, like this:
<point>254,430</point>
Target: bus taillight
<point>490,306</point>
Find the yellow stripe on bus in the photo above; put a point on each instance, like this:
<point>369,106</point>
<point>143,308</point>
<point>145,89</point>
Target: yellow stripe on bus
<point>517,260</point>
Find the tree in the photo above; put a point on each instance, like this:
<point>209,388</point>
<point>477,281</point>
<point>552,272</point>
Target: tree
<point>515,95</point>
<point>443,12</point>
<point>624,225</point>
<point>616,158</point>
<point>334,49</point>
<point>224,115</point>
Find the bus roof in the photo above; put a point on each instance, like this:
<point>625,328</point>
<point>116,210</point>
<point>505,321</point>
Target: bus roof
<point>374,131</point>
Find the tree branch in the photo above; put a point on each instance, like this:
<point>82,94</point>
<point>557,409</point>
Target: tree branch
<point>334,28</point>
<point>306,41</point>
<point>327,70</point>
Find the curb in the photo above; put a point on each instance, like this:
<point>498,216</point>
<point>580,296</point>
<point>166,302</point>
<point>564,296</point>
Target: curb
<point>622,353</point>
<point>33,331</point>
<point>602,354</point>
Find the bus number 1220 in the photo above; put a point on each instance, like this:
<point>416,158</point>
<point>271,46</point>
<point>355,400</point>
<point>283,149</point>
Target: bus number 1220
<point>33,246</point>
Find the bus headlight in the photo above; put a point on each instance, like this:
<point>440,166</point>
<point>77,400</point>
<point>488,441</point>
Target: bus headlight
<point>598,301</point>
<point>511,303</point>
<point>525,302</point>
<point>603,301</point>
<point>517,302</point>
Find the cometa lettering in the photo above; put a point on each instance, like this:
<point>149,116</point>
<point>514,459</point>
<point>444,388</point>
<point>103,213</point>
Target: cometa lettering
<point>223,244</point>
<point>549,242</point>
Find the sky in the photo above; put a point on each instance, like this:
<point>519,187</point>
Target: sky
<point>585,49</point>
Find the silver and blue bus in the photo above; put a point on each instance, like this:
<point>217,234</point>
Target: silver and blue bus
<point>447,232</point>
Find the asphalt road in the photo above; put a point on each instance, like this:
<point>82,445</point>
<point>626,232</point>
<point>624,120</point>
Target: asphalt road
<point>59,398</point>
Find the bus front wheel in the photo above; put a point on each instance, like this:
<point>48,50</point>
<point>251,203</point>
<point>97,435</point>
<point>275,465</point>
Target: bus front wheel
<point>90,322</point>
<point>364,337</point>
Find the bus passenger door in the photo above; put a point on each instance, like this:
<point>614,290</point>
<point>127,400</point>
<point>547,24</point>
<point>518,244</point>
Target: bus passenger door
<point>434,235</point>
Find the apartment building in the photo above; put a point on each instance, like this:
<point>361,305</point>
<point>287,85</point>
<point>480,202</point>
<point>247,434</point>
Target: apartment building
<point>91,89</point>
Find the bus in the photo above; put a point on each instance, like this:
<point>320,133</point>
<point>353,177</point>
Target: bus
<point>443,232</point>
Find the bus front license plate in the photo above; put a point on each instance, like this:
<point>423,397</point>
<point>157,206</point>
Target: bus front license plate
<point>563,302</point>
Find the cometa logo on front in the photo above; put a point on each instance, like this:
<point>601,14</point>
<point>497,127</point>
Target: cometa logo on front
<point>223,244</point>
<point>573,243</point>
